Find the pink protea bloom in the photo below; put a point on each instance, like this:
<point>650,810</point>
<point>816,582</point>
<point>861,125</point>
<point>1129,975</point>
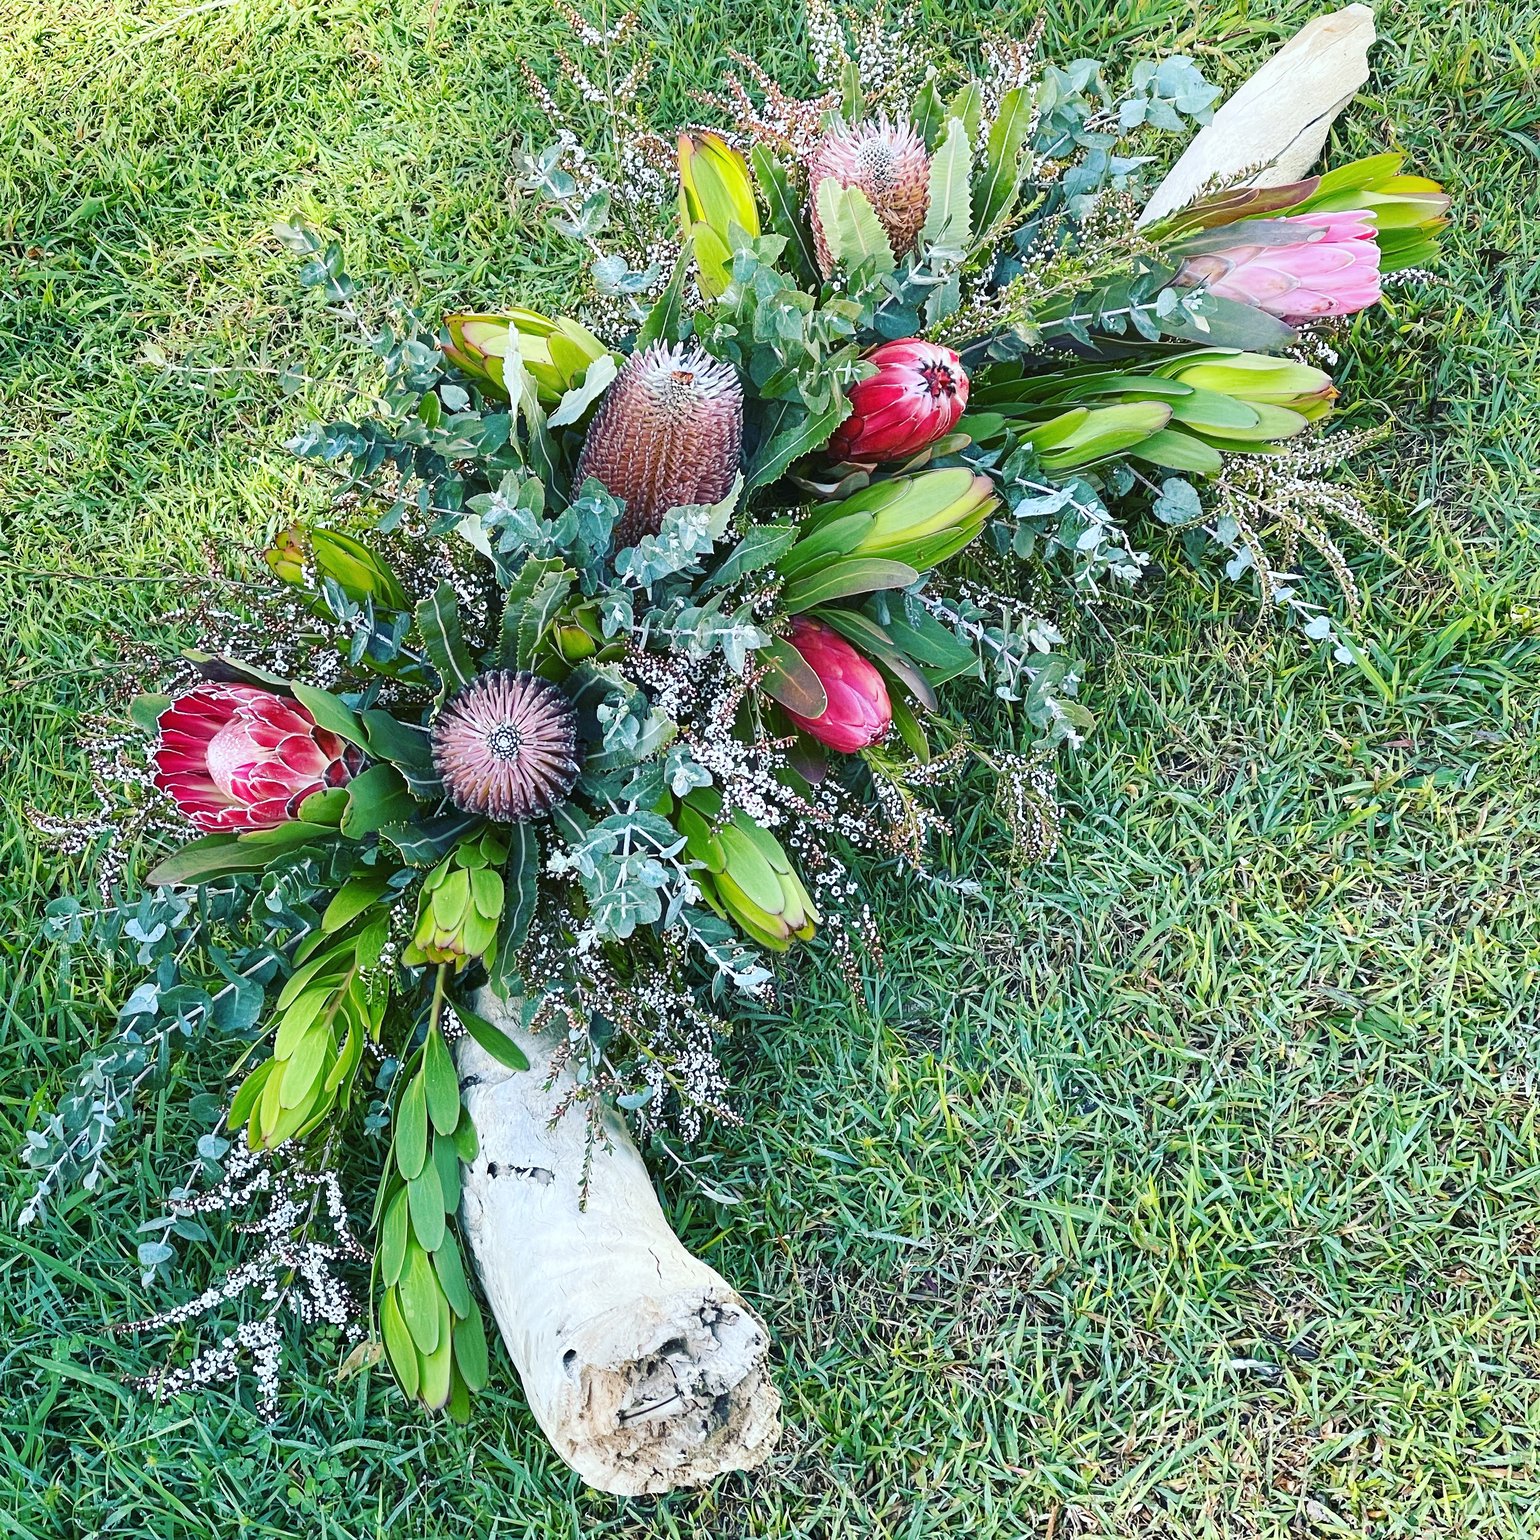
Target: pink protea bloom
<point>232,757</point>
<point>916,396</point>
<point>507,746</point>
<point>1332,269</point>
<point>859,711</point>
<point>888,163</point>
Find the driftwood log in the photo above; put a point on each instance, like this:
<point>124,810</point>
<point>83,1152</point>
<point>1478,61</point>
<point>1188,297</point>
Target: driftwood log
<point>642,1365</point>
<point>1278,120</point>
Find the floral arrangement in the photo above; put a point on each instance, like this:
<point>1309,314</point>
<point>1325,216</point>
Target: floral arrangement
<point>625,653</point>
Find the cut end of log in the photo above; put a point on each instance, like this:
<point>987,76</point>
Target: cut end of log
<point>643,1366</point>
<point>664,1393</point>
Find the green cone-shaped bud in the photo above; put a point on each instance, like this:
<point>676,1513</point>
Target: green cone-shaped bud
<point>715,197</point>
<point>918,521</point>
<point>556,351</point>
<point>747,875</point>
<point>460,904</point>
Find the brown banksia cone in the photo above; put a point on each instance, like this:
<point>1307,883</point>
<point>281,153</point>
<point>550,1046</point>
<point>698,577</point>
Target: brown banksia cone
<point>888,163</point>
<point>667,435</point>
<point>507,746</point>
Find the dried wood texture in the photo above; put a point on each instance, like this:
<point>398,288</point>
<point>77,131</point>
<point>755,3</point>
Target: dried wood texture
<point>642,1365</point>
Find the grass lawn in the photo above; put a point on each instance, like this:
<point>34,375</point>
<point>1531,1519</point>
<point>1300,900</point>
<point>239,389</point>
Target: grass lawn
<point>1188,1185</point>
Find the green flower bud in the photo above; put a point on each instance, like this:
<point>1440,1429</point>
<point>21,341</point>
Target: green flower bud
<point>460,905</point>
<point>747,877</point>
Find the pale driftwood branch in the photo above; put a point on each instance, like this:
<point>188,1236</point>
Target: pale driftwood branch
<point>1280,117</point>
<point>644,1368</point>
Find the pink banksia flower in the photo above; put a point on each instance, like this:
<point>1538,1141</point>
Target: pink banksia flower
<point>858,712</point>
<point>234,757</point>
<point>916,396</point>
<point>668,434</point>
<point>507,746</point>
<point>889,164</point>
<point>1332,268</point>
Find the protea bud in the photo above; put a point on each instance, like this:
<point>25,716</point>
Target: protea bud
<point>916,396</point>
<point>747,875</point>
<point>668,434</point>
<point>556,351</point>
<point>506,746</point>
<point>858,712</point>
<point>715,194</point>
<point>1298,269</point>
<point>889,164</point>
<point>460,905</point>
<point>919,520</point>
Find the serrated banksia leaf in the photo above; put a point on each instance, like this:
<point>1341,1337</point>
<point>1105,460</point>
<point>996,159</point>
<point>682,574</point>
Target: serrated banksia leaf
<point>889,164</point>
<point>667,435</point>
<point>506,746</point>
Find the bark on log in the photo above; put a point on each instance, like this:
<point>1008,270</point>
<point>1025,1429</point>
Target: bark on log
<point>1280,117</point>
<point>642,1365</point>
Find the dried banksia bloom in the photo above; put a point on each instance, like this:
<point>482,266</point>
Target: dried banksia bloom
<point>889,164</point>
<point>506,746</point>
<point>667,435</point>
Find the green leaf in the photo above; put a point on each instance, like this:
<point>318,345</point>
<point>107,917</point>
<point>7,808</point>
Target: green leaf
<point>399,1346</point>
<point>999,180</point>
<point>520,892</point>
<point>841,579</point>
<point>968,105</point>
<point>929,114</point>
<point>393,1234</point>
<point>851,229</point>
<point>470,1344</point>
<point>215,855</point>
<point>438,619</point>
<point>399,742</point>
<point>375,798</point>
<point>663,323</point>
<point>331,713</point>
<point>786,213</point>
<point>425,1202</point>
<point>948,214</point>
<point>491,1040</point>
<point>441,1082</point>
<point>791,431</point>
<point>145,711</point>
<point>791,680</point>
<point>759,548</point>
<point>411,1143</point>
<point>449,1266</point>
<point>435,1370</point>
<point>446,1163</point>
<point>420,1297</point>
<point>597,379</point>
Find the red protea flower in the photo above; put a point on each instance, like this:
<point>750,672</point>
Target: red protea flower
<point>859,711</point>
<point>916,396</point>
<point>889,164</point>
<point>234,757</point>
<point>507,746</point>
<point>1331,266</point>
<point>667,435</point>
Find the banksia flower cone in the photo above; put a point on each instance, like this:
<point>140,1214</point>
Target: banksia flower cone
<point>889,164</point>
<point>1298,269</point>
<point>506,747</point>
<point>667,435</point>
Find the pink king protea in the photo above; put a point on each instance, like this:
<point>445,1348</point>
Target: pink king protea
<point>1333,268</point>
<point>858,711</point>
<point>916,396</point>
<point>889,164</point>
<point>506,746</point>
<point>668,435</point>
<point>234,757</point>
